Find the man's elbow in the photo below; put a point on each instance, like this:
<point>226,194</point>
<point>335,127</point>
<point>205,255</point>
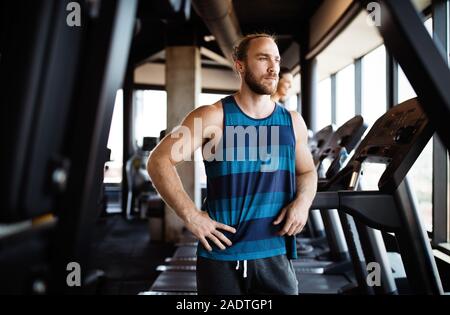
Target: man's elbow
<point>310,175</point>
<point>315,177</point>
<point>157,162</point>
<point>152,164</point>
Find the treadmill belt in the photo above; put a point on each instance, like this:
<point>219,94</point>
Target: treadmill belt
<point>321,284</point>
<point>184,282</point>
<point>176,268</point>
<point>180,259</point>
<point>166,293</point>
<point>175,281</point>
<point>183,262</point>
<point>185,251</point>
<point>315,266</point>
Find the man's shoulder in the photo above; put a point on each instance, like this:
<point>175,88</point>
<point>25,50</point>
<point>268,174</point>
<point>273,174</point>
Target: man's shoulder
<point>296,117</point>
<point>298,123</point>
<point>212,113</point>
<point>215,108</point>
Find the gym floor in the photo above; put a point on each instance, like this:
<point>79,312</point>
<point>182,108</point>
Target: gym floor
<point>124,251</point>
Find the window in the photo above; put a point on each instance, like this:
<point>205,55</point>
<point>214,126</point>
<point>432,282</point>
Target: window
<point>373,106</point>
<point>374,85</point>
<point>429,26</point>
<point>291,102</point>
<point>345,94</point>
<point>405,90</point>
<point>150,114</point>
<point>323,113</point>
<point>210,98</point>
<point>421,181</point>
<point>113,168</point>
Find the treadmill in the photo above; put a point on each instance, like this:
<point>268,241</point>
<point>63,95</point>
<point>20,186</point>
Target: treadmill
<point>332,255</point>
<point>315,227</point>
<point>333,148</point>
<point>396,140</point>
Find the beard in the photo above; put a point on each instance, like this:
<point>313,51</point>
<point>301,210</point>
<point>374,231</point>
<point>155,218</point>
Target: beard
<point>258,87</point>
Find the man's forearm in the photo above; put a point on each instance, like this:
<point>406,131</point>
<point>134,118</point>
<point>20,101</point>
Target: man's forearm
<point>168,184</point>
<point>306,188</point>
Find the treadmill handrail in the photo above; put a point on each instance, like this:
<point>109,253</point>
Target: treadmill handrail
<point>373,208</point>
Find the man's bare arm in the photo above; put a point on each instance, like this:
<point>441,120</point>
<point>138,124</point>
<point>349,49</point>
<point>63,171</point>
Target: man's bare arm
<point>176,147</point>
<point>296,213</point>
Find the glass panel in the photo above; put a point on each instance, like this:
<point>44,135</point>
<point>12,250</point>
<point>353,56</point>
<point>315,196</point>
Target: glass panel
<point>291,102</point>
<point>323,113</point>
<point>374,85</point>
<point>210,98</point>
<point>405,90</point>
<point>113,168</point>
<point>150,114</point>
<point>421,181</point>
<point>373,106</point>
<point>345,94</point>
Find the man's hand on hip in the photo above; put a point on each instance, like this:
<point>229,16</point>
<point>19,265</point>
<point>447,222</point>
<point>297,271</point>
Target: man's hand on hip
<point>203,227</point>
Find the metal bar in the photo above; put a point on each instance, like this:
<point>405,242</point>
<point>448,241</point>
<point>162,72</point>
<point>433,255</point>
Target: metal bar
<point>308,69</point>
<point>414,245</point>
<point>391,81</point>
<point>128,135</point>
<point>333,99</point>
<point>365,205</point>
<point>440,9</point>
<point>102,70</point>
<point>358,86</point>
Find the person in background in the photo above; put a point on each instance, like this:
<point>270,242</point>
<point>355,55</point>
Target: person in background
<point>284,86</point>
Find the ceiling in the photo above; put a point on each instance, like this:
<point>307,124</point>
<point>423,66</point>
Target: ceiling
<point>160,25</point>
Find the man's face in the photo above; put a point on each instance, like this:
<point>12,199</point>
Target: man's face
<point>261,67</point>
<point>284,85</point>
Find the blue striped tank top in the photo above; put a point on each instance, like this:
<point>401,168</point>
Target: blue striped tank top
<point>250,181</point>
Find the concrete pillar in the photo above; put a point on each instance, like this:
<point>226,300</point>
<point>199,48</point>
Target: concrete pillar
<point>309,92</point>
<point>183,86</point>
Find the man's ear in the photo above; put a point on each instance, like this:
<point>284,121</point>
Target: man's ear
<point>239,65</point>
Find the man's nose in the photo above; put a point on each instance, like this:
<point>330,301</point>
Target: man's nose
<point>272,71</point>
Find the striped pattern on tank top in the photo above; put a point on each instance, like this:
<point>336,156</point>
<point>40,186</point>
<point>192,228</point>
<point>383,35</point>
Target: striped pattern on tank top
<point>250,181</point>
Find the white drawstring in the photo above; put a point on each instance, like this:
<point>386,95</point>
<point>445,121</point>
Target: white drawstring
<point>245,268</point>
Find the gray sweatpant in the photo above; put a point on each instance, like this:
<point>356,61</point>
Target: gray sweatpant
<point>271,276</point>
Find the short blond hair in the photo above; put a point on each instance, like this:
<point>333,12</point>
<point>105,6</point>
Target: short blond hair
<point>241,48</point>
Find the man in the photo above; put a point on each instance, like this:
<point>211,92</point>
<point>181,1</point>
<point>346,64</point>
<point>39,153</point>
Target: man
<point>284,85</point>
<point>258,193</point>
